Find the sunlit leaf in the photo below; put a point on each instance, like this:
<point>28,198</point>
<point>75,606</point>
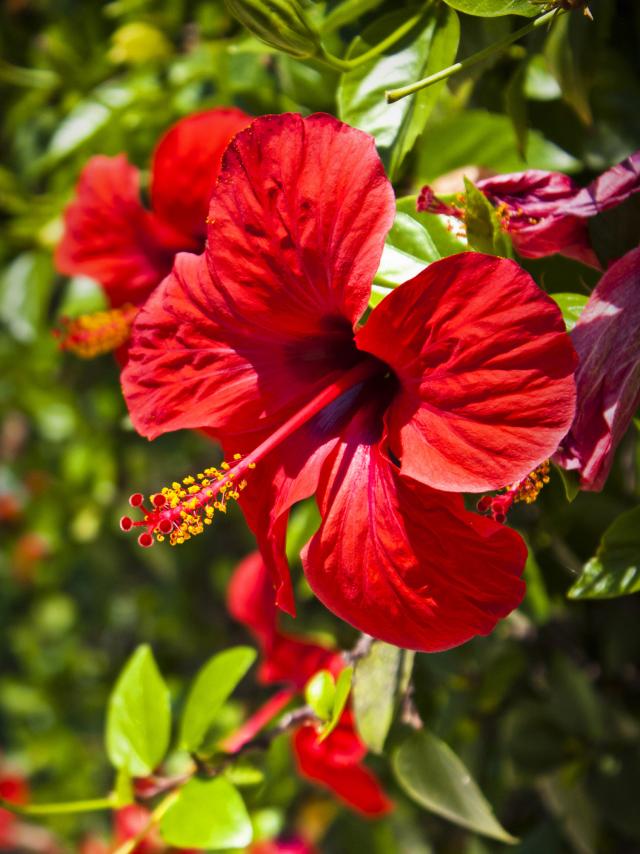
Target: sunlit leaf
<point>571,306</point>
<point>207,814</point>
<point>428,47</point>
<point>484,230</point>
<point>212,686</point>
<point>343,687</point>
<point>407,251</point>
<point>494,8</point>
<point>139,716</point>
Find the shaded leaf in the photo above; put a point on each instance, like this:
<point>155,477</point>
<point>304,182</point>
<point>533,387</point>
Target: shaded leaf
<point>431,773</point>
<point>207,814</point>
<point>615,568</point>
<point>212,686</point>
<point>139,716</point>
<point>380,679</point>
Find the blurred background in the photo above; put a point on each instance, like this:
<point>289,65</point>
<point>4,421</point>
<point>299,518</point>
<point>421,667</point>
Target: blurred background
<point>544,712</point>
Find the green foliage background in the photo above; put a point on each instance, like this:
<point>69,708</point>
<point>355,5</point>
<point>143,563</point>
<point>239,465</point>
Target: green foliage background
<point>545,712</point>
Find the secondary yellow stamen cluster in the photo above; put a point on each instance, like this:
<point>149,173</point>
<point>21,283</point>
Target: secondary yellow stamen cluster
<point>529,488</point>
<point>91,335</point>
<point>193,503</point>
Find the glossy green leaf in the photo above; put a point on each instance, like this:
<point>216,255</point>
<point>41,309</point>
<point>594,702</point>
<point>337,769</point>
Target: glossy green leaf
<point>139,716</point>
<point>615,568</point>
<point>445,233</point>
<point>303,523</point>
<point>343,688</point>
<point>407,251</point>
<point>207,814</point>
<point>345,13</point>
<point>380,679</point>
<point>571,306</point>
<point>486,140</point>
<point>570,483</point>
<point>428,47</point>
<point>484,230</point>
<point>495,8</point>
<point>211,688</point>
<point>431,773</point>
<point>320,693</point>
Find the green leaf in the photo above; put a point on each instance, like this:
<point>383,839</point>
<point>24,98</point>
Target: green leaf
<point>407,251</point>
<point>571,306</point>
<point>431,773</point>
<point>446,235</point>
<point>124,789</point>
<point>515,103</point>
<point>569,59</point>
<point>615,569</point>
<point>486,140</point>
<point>320,693</point>
<point>139,716</point>
<point>345,13</point>
<point>570,482</point>
<point>341,695</point>
<point>303,523</point>
<point>380,679</point>
<point>495,8</point>
<point>212,686</point>
<point>484,230</point>
<point>207,814</point>
<point>431,45</point>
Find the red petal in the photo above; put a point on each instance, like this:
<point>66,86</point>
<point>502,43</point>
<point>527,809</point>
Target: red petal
<point>608,190</point>
<point>608,377</point>
<point>485,370</point>
<point>298,222</point>
<point>111,237</point>
<point>258,721</point>
<point>251,601</point>
<point>403,562</point>
<point>186,164</point>
<point>352,783</point>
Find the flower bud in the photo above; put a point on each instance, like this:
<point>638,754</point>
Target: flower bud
<point>279,23</point>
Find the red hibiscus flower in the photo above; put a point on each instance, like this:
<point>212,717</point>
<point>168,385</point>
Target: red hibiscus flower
<point>111,237</point>
<point>608,377</point>
<point>547,212</point>
<point>460,380</point>
<point>336,762</point>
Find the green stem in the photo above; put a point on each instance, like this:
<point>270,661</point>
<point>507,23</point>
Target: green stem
<point>130,845</point>
<point>394,95</point>
<point>349,64</point>
<point>61,808</point>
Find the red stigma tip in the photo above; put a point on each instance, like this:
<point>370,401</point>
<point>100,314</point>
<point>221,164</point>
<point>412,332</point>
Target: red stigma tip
<point>165,526</point>
<point>484,504</point>
<point>145,540</point>
<point>136,499</point>
<point>126,523</point>
<point>159,500</point>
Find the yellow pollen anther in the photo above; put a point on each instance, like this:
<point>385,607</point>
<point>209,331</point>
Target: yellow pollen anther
<point>92,335</point>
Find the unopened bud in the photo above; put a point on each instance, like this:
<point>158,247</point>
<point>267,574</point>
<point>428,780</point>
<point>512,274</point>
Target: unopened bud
<point>279,23</point>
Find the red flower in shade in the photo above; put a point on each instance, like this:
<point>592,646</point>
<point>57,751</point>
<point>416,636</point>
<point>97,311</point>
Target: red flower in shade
<point>15,790</point>
<point>284,845</point>
<point>460,380</point>
<point>608,377</point>
<point>547,212</point>
<point>335,762</point>
<point>111,237</point>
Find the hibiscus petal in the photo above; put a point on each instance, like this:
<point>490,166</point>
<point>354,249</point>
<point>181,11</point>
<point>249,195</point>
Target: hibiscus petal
<point>352,783</point>
<point>485,370</point>
<point>251,601</point>
<point>186,164</point>
<point>608,190</point>
<point>608,377</point>
<point>403,562</point>
<point>298,222</point>
<point>111,237</point>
